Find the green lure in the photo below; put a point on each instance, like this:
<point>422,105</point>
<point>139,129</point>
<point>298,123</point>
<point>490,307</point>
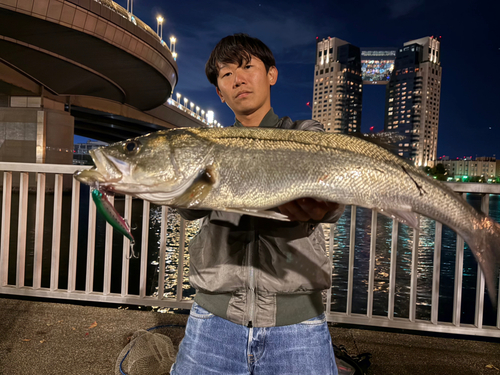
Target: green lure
<point>110,214</point>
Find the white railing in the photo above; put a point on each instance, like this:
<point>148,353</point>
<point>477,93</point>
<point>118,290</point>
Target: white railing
<point>42,172</point>
<point>389,320</point>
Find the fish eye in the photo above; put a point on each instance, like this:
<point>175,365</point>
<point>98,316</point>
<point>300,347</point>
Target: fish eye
<point>132,146</point>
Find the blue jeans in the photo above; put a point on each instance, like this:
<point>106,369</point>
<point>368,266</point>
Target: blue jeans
<point>213,345</point>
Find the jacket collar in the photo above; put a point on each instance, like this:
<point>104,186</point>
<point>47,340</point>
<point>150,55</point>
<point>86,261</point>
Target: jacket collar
<point>270,120</point>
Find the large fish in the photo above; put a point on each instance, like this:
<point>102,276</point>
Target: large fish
<point>253,170</point>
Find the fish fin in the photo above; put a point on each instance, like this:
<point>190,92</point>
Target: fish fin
<point>200,188</point>
<point>408,217</point>
<point>265,214</point>
<point>485,245</point>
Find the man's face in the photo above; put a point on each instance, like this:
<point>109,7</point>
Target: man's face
<point>246,88</point>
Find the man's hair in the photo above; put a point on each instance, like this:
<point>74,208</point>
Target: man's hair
<point>237,49</point>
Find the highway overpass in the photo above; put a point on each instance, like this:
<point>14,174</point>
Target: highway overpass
<point>80,67</point>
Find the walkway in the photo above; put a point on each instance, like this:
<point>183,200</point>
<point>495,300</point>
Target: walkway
<point>54,338</point>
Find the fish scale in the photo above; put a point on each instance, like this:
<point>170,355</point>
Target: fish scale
<point>252,171</point>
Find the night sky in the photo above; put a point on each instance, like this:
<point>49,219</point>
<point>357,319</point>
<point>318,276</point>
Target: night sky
<point>470,54</point>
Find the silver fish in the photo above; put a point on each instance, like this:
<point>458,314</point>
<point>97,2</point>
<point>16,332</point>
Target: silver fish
<point>251,171</point>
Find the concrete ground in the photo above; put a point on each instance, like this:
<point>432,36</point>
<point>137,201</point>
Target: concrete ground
<point>60,338</point>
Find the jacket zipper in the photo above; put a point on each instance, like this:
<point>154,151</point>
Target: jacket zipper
<point>251,278</point>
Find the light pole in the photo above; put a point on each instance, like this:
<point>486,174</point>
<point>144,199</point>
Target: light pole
<point>159,27</point>
<point>178,97</point>
<point>210,117</point>
<point>197,110</point>
<point>172,47</point>
<point>185,102</point>
<point>172,43</point>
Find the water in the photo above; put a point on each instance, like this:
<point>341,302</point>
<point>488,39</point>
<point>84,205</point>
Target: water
<point>340,258</point>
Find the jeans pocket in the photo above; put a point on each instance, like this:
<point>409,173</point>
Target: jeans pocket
<point>199,312</point>
<point>317,320</point>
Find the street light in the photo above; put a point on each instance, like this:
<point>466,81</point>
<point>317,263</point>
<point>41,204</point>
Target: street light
<point>210,117</point>
<point>159,27</point>
<point>172,47</point>
<point>130,6</point>
<point>197,110</point>
<point>178,97</point>
<point>185,101</point>
<point>192,105</point>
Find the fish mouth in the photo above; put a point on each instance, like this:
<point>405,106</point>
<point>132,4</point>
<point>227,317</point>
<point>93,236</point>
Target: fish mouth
<point>107,170</point>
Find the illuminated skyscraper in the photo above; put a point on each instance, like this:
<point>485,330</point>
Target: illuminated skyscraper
<point>338,86</point>
<point>413,97</point>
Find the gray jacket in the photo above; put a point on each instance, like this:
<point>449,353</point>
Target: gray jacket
<point>260,272</point>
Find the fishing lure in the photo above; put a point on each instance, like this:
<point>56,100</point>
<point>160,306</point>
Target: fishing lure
<point>107,210</point>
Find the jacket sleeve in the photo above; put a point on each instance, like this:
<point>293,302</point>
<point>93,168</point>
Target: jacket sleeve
<point>310,125</point>
<point>187,214</point>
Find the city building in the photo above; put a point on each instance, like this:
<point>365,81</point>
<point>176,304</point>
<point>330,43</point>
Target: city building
<point>483,168</point>
<point>338,86</point>
<point>413,97</point>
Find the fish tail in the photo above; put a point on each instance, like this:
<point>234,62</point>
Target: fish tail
<point>485,246</point>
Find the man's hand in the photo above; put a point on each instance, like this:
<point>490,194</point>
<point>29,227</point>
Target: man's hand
<point>306,209</point>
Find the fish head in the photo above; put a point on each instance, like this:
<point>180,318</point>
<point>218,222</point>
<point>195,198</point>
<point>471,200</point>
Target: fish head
<point>162,164</point>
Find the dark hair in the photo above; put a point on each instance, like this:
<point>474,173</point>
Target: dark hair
<point>237,49</point>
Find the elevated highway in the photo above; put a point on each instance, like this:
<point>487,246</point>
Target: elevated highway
<point>80,67</point>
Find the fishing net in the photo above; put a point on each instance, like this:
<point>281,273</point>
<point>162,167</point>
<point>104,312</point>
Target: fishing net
<point>149,352</point>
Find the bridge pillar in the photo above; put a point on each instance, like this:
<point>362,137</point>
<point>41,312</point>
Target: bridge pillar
<point>36,130</point>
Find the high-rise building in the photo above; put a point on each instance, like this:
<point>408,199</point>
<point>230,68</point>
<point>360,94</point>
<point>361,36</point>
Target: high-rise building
<point>338,86</point>
<point>412,99</point>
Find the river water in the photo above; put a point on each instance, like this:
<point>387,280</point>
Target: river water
<point>340,258</point>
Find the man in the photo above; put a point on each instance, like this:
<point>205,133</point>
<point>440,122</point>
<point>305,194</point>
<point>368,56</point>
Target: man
<point>258,307</point>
